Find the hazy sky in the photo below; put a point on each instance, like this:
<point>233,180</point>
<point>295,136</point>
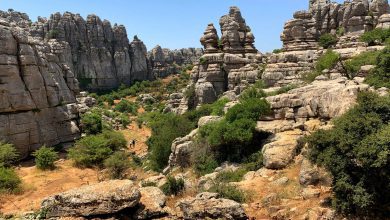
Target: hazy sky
<point>173,23</point>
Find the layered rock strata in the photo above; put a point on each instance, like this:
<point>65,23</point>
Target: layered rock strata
<point>165,62</point>
<point>37,88</point>
<point>229,63</point>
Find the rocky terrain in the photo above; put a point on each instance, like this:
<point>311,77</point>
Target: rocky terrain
<point>228,138</point>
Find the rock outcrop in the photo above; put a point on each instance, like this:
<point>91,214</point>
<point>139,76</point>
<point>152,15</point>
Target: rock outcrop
<point>103,198</point>
<point>229,63</point>
<point>37,88</point>
<point>208,205</point>
<point>165,62</point>
<point>100,54</point>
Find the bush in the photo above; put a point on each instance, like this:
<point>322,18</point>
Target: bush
<point>252,93</point>
<point>254,161</point>
<point>203,160</point>
<point>125,106</point>
<point>327,61</point>
<point>230,176</point>
<point>45,158</point>
<point>283,89</point>
<point>165,128</point>
<point>8,154</point>
<point>356,153</point>
<point>92,122</point>
<point>173,186</point>
<point>327,40</point>
<point>117,164</point>
<point>190,95</point>
<point>309,77</point>
<point>148,183</point>
<point>380,76</point>
<point>352,66</point>
<point>9,180</point>
<point>218,106</point>
<point>277,51</point>
<point>229,192</point>
<point>375,37</point>
<point>92,150</point>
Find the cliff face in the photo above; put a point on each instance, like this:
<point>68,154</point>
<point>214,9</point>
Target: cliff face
<point>37,88</point>
<point>101,56</point>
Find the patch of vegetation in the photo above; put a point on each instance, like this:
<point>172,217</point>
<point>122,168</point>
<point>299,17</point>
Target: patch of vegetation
<point>203,161</point>
<point>340,31</point>
<point>252,93</point>
<point>45,158</point>
<point>8,154</point>
<point>356,152</point>
<point>376,37</point>
<point>276,51</point>
<point>352,66</point>
<point>283,89</point>
<point>173,186</point>
<point>53,34</point>
<point>230,176</point>
<point>9,180</point>
<point>190,95</point>
<point>231,192</point>
<point>117,164</point>
<point>92,123</point>
<point>327,61</point>
<point>148,183</point>
<point>202,61</point>
<point>92,150</point>
<point>380,76</point>
<point>125,106</point>
<point>327,40</point>
<point>84,82</point>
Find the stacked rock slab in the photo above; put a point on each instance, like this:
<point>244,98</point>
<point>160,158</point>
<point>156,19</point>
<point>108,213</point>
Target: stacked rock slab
<point>229,63</point>
<point>301,34</point>
<point>101,56</point>
<point>37,88</point>
<point>165,62</point>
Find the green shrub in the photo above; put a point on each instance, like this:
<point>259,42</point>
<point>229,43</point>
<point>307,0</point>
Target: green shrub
<point>251,109</point>
<point>117,164</point>
<point>380,76</point>
<point>277,51</point>
<point>375,37</point>
<point>202,60</point>
<point>218,106</point>
<point>230,176</point>
<point>309,77</point>
<point>203,160</point>
<point>252,93</point>
<point>9,180</point>
<point>254,161</point>
<point>283,89</point>
<point>229,192</point>
<point>340,31</point>
<point>92,122</point>
<point>327,61</point>
<point>327,40</point>
<point>148,183</point>
<point>124,120</point>
<point>92,150</point>
<point>52,34</point>
<point>45,158</point>
<point>356,152</point>
<point>190,95</point>
<point>165,128</point>
<point>8,154</point>
<point>125,106</point>
<point>173,186</point>
<point>352,66</point>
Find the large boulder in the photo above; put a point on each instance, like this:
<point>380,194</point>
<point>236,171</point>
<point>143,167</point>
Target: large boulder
<point>209,206</point>
<point>102,198</point>
<point>152,203</point>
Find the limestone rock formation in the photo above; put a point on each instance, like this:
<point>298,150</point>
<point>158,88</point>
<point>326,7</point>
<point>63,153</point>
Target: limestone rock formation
<point>103,198</point>
<point>208,205</point>
<point>152,204</point>
<point>37,88</point>
<point>165,62</point>
<point>229,63</point>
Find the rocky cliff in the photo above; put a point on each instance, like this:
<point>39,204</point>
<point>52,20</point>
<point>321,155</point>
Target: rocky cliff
<point>165,61</point>
<point>229,62</point>
<point>37,88</point>
<point>300,36</point>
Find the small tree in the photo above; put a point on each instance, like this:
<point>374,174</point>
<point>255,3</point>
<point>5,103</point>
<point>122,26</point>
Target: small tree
<point>327,40</point>
<point>8,154</point>
<point>92,123</point>
<point>45,158</point>
<point>9,180</point>
<point>173,186</point>
<point>117,164</point>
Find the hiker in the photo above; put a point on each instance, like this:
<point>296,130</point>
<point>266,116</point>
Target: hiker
<point>133,142</point>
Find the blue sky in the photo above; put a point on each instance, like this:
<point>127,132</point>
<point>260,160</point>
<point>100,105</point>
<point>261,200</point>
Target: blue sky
<point>173,23</point>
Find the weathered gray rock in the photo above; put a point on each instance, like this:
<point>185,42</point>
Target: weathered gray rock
<point>102,198</point>
<point>152,204</point>
<point>208,205</point>
<point>309,173</point>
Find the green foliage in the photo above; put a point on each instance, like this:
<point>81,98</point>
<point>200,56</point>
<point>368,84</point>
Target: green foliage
<point>8,154</point>
<point>218,106</point>
<point>356,152</point>
<point>92,122</point>
<point>277,51</point>
<point>92,150</point>
<point>9,180</point>
<point>173,186</point>
<point>52,34</point>
<point>230,176</point>
<point>309,77</point>
<point>148,183</point>
<point>340,31</point>
<point>45,158</point>
<point>353,65</point>
<point>251,109</point>
<point>380,76</point>
<point>203,160</point>
<point>124,120</point>
<point>229,192</point>
<point>327,61</point>
<point>202,60</point>
<point>375,37</point>
<point>125,106</point>
<point>254,161</point>
<point>252,93</point>
<point>165,128</point>
<point>282,90</point>
<point>190,95</point>
<point>327,40</point>
<point>117,164</point>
